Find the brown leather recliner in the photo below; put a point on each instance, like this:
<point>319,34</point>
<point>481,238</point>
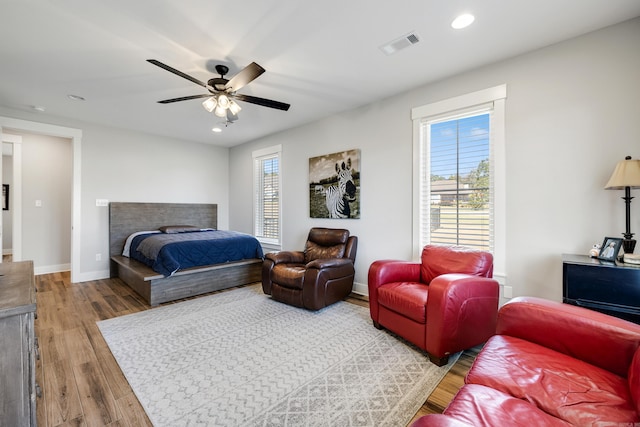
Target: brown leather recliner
<point>319,276</point>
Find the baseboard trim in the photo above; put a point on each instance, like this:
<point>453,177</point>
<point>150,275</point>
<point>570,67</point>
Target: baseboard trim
<point>47,269</point>
<point>93,275</point>
<point>360,289</point>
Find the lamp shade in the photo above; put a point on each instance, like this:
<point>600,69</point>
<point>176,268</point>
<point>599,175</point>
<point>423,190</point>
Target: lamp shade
<point>234,107</point>
<point>210,103</point>
<point>626,174</point>
<point>223,101</point>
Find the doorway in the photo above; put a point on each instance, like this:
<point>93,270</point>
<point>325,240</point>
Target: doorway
<point>11,173</point>
<point>75,136</point>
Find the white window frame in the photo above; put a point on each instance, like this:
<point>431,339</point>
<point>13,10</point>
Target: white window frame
<point>495,96</point>
<point>258,156</point>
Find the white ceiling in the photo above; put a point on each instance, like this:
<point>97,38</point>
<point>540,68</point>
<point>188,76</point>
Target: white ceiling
<point>322,57</point>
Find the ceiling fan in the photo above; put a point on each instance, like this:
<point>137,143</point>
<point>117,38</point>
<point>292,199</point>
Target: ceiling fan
<point>223,92</point>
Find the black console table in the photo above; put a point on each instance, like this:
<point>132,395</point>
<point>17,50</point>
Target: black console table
<point>609,287</point>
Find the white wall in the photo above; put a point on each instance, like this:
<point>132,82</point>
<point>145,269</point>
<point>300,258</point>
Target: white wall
<point>46,177</point>
<point>123,166</point>
<point>571,113</point>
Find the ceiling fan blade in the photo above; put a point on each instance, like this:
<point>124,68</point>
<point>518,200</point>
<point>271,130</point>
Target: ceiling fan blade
<point>244,77</point>
<point>262,101</point>
<point>183,98</point>
<point>177,72</point>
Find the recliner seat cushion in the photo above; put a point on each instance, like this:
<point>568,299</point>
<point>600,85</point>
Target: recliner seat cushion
<point>560,385</point>
<point>406,298</point>
<point>289,275</point>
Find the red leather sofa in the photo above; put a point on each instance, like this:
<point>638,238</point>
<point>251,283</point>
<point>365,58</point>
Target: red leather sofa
<point>550,364</point>
<point>446,303</point>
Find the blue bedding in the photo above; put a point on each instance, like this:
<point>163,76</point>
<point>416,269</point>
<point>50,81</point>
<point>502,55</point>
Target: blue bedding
<point>168,253</point>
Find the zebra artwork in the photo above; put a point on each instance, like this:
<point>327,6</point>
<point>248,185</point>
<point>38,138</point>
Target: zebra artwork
<point>339,196</point>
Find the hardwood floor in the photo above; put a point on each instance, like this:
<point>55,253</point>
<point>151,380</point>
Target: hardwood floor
<point>81,382</point>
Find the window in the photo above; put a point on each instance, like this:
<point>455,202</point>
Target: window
<point>266,178</point>
<point>458,194</point>
<point>459,173</point>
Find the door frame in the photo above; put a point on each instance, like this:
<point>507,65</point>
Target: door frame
<point>75,135</point>
<point>15,195</point>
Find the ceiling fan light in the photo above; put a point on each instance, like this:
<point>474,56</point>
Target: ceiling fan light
<point>209,104</point>
<point>219,111</point>
<point>223,101</point>
<point>234,107</point>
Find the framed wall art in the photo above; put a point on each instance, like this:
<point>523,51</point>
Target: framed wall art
<point>334,185</point>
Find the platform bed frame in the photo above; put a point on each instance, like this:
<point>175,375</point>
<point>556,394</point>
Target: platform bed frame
<point>128,218</point>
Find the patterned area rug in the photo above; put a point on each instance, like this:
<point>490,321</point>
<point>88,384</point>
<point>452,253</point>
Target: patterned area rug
<point>240,358</point>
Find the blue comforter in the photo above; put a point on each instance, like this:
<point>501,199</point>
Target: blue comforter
<point>168,253</point>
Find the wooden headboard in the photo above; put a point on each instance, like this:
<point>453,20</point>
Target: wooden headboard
<point>127,218</point>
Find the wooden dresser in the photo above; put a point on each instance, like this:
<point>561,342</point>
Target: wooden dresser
<point>17,344</point>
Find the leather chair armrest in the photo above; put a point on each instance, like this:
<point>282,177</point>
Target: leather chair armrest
<point>329,263</point>
<point>461,312</point>
<point>389,271</point>
<point>438,420</point>
<point>599,339</point>
<point>294,257</point>
<point>323,278</point>
<point>322,270</point>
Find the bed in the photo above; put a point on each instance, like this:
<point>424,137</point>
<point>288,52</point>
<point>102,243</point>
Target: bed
<point>155,287</point>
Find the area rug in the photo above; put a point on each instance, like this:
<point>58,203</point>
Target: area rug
<point>240,358</point>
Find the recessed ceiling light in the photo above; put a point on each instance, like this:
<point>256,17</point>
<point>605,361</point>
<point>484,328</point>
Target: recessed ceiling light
<point>463,21</point>
<point>75,97</point>
<point>216,130</point>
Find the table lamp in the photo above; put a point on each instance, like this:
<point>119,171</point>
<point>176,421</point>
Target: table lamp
<point>625,177</point>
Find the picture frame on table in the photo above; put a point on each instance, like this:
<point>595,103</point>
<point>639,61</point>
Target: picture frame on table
<point>610,249</point>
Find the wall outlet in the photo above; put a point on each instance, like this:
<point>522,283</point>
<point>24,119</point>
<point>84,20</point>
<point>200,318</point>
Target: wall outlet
<point>102,202</point>
<point>98,257</point>
<point>38,203</point>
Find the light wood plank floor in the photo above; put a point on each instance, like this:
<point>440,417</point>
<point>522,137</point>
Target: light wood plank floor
<point>81,382</point>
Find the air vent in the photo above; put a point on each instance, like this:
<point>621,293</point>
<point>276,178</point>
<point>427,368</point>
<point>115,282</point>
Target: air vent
<point>400,43</point>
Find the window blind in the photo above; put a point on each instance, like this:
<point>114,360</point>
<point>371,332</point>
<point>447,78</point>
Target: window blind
<point>456,205</point>
<point>267,197</point>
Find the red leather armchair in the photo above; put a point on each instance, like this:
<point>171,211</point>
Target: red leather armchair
<point>446,303</point>
<point>320,275</point>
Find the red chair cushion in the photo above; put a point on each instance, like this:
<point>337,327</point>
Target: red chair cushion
<point>482,406</point>
<point>561,385</point>
<point>634,379</point>
<point>439,260</point>
<point>406,298</point>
